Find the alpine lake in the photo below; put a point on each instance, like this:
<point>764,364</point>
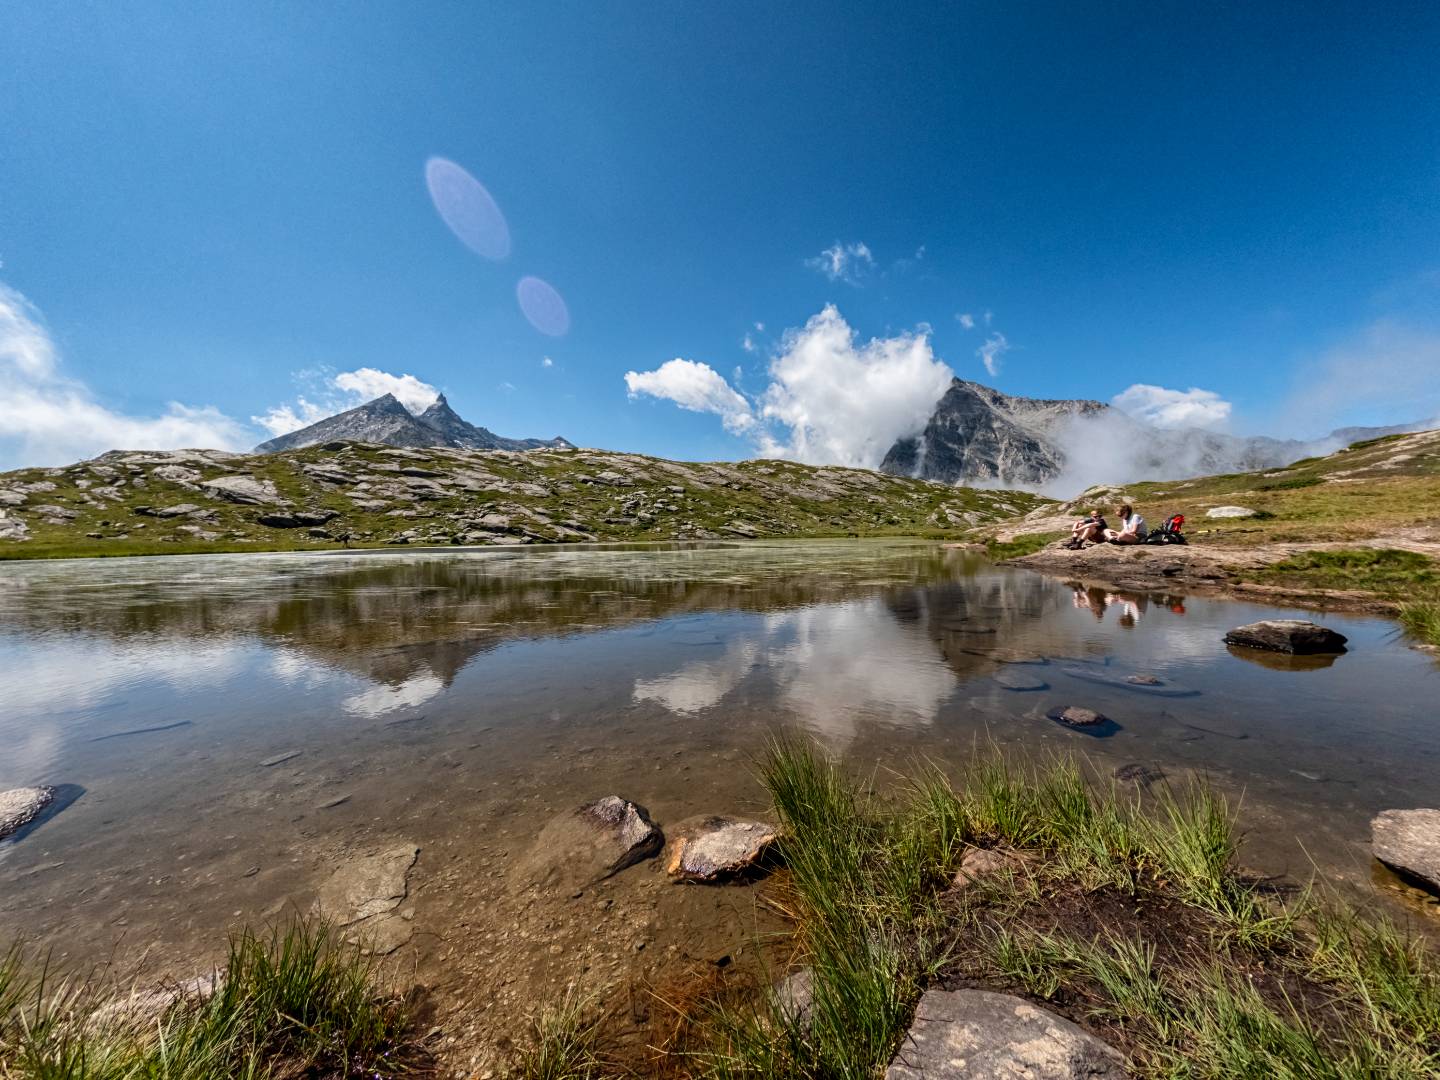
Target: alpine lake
<point>227,732</point>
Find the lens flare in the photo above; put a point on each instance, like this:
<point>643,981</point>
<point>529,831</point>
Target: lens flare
<point>543,306</point>
<point>467,208</point>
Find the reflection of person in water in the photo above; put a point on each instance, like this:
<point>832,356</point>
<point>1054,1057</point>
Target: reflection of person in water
<point>1131,607</point>
<point>1092,600</point>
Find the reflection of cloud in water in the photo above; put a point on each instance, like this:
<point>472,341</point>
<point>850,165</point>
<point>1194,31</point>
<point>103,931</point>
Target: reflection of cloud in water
<point>703,683</point>
<point>416,690</point>
<point>63,680</point>
<point>834,666</point>
<point>847,663</point>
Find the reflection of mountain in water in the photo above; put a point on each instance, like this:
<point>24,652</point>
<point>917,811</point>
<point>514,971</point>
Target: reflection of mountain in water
<point>411,624</point>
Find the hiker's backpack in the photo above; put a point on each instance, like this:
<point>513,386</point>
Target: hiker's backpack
<point>1169,532</point>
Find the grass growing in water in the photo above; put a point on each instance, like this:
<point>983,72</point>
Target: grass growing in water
<point>1025,544</point>
<point>292,1002</point>
<point>1132,921</point>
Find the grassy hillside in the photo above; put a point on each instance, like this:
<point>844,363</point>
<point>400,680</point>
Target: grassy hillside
<point>1382,487</point>
<point>142,503</point>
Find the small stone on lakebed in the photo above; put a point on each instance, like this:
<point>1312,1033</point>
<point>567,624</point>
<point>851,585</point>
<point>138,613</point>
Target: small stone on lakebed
<point>1076,716</point>
<point>1287,635</point>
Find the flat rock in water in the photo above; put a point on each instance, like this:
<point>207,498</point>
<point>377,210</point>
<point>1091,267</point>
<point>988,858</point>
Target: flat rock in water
<point>593,842</point>
<point>1287,636</point>
<point>368,886</point>
<point>986,1036</point>
<point>1076,716</point>
<point>714,848</point>
<point>1018,681</point>
<point>20,806</point>
<point>1409,841</point>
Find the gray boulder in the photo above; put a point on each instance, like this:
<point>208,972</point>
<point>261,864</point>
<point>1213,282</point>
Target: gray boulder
<point>243,489</point>
<point>1287,636</point>
<point>1409,841</point>
<point>12,528</point>
<point>1229,512</point>
<point>985,1036</point>
<point>1077,716</point>
<point>11,497</point>
<point>298,519</point>
<point>362,895</point>
<point>20,806</point>
<point>715,848</point>
<point>591,843</point>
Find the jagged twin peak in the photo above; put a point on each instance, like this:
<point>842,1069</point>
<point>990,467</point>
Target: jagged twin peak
<point>385,420</point>
<point>979,435</point>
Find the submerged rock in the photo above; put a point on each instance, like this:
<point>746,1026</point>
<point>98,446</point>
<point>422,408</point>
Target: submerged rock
<point>1287,636</point>
<point>593,842</point>
<point>713,848</point>
<point>1019,682</point>
<point>1409,841</point>
<point>975,1033</point>
<point>1138,774</point>
<point>372,885</point>
<point>20,806</point>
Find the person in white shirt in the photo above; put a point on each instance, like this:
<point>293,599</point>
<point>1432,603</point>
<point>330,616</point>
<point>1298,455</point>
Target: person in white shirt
<point>1132,527</point>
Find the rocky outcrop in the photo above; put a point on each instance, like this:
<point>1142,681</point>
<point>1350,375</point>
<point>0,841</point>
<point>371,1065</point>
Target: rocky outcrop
<point>298,519</point>
<point>242,489</point>
<point>975,1033</point>
<point>385,420</point>
<point>592,842</point>
<point>1409,841</point>
<point>717,848</point>
<point>1288,636</point>
<point>20,806</point>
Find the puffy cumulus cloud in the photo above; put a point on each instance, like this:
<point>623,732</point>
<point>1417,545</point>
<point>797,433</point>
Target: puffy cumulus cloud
<point>1166,408</point>
<point>995,347</point>
<point>831,399</point>
<point>845,402</point>
<point>844,262</point>
<point>694,386</point>
<point>48,418</point>
<point>366,384</point>
<point>331,392</point>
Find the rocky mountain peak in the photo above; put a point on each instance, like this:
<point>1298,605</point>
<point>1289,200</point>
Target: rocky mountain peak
<point>386,420</point>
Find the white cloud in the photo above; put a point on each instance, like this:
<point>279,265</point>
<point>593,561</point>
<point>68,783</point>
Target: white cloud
<point>760,327</point>
<point>546,362</point>
<point>831,400</point>
<point>1166,408</point>
<point>47,417</point>
<point>995,346</point>
<point>748,344</point>
<point>366,384</point>
<point>334,392</point>
<point>844,262</point>
<point>694,386</point>
<point>844,402</point>
<point>966,320</point>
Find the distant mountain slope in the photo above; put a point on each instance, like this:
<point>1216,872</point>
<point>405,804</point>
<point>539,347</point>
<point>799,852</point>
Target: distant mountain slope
<point>980,435</point>
<point>386,421</point>
<point>151,502</point>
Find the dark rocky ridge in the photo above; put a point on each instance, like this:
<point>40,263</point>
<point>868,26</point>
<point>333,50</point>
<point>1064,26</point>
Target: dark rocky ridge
<point>978,434</point>
<point>386,421</point>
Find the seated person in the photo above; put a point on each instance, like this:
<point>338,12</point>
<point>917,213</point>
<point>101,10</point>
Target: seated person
<point>1132,527</point>
<point>1091,528</point>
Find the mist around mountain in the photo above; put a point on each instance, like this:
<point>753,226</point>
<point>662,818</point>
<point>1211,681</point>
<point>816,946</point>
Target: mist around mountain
<point>386,421</point>
<point>980,436</point>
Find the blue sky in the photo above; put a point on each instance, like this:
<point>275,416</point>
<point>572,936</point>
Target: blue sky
<point>225,206</point>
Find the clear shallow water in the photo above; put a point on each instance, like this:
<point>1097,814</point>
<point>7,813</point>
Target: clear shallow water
<point>459,699</point>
